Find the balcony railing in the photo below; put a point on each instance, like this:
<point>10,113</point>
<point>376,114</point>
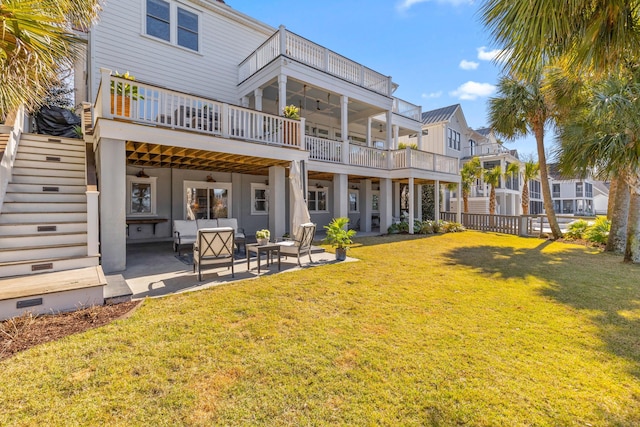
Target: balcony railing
<point>154,105</point>
<point>291,45</point>
<point>407,109</point>
<point>331,151</point>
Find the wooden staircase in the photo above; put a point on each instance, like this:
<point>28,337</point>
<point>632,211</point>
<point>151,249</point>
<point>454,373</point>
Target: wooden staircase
<point>43,221</point>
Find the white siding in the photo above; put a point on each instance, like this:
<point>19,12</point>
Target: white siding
<point>118,43</point>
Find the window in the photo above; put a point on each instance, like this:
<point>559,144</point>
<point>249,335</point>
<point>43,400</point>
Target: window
<point>375,201</point>
<point>589,189</point>
<point>472,147</point>
<point>579,189</point>
<point>141,196</point>
<point>259,199</point>
<point>353,201</point>
<point>556,191</point>
<point>534,189</point>
<point>207,200</point>
<point>172,23</point>
<point>454,139</point>
<point>317,200</point>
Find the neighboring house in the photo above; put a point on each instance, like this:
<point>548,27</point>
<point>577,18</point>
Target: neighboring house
<point>600,197</point>
<point>571,196</point>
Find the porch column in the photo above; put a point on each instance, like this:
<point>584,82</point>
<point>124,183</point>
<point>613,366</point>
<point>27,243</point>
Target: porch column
<point>513,205</point>
<point>236,203</point>
<point>369,122</point>
<point>244,101</point>
<point>282,93</point>
<point>111,164</point>
<point>396,211</point>
<point>436,201</point>
<point>340,195</point>
<point>258,95</point>
<point>418,202</point>
<point>420,140</point>
<point>388,141</point>
<point>459,204</point>
<point>396,135</point>
<point>385,202</point>
<point>344,127</point>
<point>366,205</point>
<point>411,203</point>
<point>277,209</point>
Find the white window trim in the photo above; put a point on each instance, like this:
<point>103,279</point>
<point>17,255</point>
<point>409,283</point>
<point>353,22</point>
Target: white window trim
<point>319,189</point>
<point>131,179</point>
<point>357,193</point>
<point>208,186</point>
<point>258,186</point>
<point>173,25</point>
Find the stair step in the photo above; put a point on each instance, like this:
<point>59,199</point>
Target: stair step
<point>36,140</point>
<point>47,181</point>
<point>49,151</point>
<point>46,188</point>
<point>42,252</point>
<point>51,239</point>
<point>49,164</point>
<point>29,207</point>
<point>42,228</point>
<point>42,217</point>
<point>30,267</point>
<point>55,156</point>
<point>45,197</point>
<point>47,172</point>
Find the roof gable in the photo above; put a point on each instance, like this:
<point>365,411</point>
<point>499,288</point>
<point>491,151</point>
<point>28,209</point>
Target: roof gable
<point>443,114</point>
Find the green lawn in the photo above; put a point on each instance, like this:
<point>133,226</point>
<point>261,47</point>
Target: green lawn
<point>456,329</point>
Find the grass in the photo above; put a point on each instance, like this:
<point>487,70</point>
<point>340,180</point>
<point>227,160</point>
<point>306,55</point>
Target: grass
<point>456,329</point>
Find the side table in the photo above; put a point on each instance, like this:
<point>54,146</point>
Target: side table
<point>269,250</point>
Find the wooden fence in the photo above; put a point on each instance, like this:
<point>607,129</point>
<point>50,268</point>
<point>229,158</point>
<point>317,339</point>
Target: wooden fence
<point>507,224</point>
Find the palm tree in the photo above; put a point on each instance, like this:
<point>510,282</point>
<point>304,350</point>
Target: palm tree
<point>470,171</point>
<point>36,40</point>
<point>492,177</point>
<point>519,109</point>
<point>530,171</point>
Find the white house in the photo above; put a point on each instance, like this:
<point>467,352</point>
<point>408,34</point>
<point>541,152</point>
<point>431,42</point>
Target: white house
<point>200,133</point>
<point>571,196</point>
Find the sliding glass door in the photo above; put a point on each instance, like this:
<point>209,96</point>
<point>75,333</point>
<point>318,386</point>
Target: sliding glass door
<point>207,200</point>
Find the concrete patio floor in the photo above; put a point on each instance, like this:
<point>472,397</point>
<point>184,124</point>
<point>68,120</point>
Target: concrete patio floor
<point>154,270</point>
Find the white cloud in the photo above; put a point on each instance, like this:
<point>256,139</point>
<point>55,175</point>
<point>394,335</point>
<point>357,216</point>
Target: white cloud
<point>468,65</point>
<point>432,95</point>
<point>492,55</point>
<point>470,91</point>
<point>407,4</point>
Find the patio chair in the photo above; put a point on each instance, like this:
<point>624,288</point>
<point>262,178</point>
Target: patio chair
<point>301,243</point>
<point>240,238</point>
<point>214,246</point>
<point>184,233</point>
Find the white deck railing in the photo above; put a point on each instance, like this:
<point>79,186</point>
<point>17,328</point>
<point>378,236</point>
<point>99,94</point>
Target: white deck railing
<point>407,109</point>
<point>10,135</point>
<point>154,105</point>
<point>291,45</point>
<point>368,157</point>
<point>324,149</point>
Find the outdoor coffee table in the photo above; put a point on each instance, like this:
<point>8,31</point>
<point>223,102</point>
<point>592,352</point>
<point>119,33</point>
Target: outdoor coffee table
<point>269,250</point>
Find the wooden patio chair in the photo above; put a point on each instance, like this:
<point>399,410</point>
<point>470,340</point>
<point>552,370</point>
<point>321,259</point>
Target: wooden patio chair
<point>301,243</point>
<point>213,246</point>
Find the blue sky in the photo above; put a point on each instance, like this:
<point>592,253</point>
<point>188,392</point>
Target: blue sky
<point>438,51</point>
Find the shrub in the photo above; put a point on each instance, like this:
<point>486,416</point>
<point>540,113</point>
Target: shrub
<point>599,231</point>
<point>452,227</point>
<point>403,145</point>
<point>576,229</point>
<point>426,227</point>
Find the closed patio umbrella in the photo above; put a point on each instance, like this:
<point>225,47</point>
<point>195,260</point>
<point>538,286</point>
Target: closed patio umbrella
<point>300,212</point>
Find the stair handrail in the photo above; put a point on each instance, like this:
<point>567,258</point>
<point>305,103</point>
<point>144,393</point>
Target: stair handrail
<point>13,127</point>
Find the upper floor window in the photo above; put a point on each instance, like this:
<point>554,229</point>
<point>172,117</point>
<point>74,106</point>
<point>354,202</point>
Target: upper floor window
<point>579,189</point>
<point>472,147</point>
<point>555,190</point>
<point>175,24</point>
<point>534,189</point>
<point>317,200</point>
<point>588,189</point>
<point>454,139</point>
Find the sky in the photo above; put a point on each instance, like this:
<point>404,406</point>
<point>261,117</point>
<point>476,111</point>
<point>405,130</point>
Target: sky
<point>437,51</point>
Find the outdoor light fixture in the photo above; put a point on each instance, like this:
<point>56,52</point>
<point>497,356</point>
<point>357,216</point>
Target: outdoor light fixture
<point>141,174</point>
<point>380,127</point>
<point>317,104</point>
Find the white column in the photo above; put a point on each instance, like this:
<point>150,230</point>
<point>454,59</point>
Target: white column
<point>340,195</point>
<point>459,204</point>
<point>282,93</point>
<point>369,142</point>
<point>385,201</point>
<point>277,210</point>
<point>396,135</point>
<point>389,135</point>
<point>419,202</point>
<point>366,207</point>
<point>93,240</point>
<point>396,200</point>
<point>105,76</point>
<point>411,201</point>
<point>436,199</point>
<point>244,101</point>
<point>236,188</point>
<point>420,140</point>
<point>258,95</point>
<point>111,166</point>
<point>344,127</point>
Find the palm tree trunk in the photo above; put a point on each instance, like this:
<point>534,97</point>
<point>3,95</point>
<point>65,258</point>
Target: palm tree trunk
<point>544,178</point>
<point>632,250</point>
<point>465,201</point>
<point>492,201</point>
<point>613,187</point>
<point>619,215</point>
<point>525,198</point>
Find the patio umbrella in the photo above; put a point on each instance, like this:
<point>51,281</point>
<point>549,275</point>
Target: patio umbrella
<point>300,212</point>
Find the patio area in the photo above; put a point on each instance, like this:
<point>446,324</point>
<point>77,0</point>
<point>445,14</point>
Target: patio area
<point>154,270</point>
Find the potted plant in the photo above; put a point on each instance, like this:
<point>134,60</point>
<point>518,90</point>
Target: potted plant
<point>122,94</point>
<point>263,236</point>
<point>290,134</point>
<point>339,237</point>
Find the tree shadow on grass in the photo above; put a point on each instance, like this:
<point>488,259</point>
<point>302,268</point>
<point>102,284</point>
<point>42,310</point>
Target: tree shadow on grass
<point>598,284</point>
